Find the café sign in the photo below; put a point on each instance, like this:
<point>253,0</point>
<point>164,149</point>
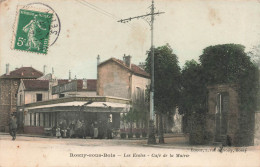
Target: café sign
<point>68,87</point>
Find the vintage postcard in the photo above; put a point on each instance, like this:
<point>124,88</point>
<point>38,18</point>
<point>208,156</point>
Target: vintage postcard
<point>129,83</point>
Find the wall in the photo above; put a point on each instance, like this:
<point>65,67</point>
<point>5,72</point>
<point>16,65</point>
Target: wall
<point>139,82</point>
<point>30,96</point>
<point>239,127</point>
<point>257,128</point>
<point>113,80</point>
<point>8,93</point>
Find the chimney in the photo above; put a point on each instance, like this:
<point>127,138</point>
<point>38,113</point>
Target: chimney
<point>52,70</point>
<point>127,60</point>
<point>7,69</point>
<point>142,65</point>
<point>98,60</point>
<point>69,75</point>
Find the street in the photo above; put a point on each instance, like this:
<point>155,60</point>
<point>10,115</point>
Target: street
<point>36,151</point>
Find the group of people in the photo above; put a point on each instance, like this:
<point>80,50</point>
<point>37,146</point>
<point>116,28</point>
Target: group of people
<point>81,129</point>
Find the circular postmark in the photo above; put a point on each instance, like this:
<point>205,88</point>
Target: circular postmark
<point>55,24</point>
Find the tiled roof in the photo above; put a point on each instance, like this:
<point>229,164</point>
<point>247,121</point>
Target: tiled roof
<point>62,81</point>
<point>134,68</point>
<point>36,85</point>
<point>24,72</point>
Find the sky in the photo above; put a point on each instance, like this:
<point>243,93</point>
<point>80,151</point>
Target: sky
<point>89,28</point>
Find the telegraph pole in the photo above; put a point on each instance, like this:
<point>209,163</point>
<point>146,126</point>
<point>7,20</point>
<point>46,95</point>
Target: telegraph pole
<point>151,133</point>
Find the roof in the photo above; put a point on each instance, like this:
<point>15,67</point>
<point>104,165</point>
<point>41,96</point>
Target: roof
<point>36,85</point>
<point>43,85</point>
<point>91,85</point>
<point>134,68</point>
<point>96,101</point>
<point>62,81</point>
<point>24,72</point>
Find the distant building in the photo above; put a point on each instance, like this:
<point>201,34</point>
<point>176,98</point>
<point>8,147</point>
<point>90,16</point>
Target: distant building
<point>9,83</point>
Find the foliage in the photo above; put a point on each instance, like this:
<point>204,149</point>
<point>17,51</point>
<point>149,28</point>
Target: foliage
<point>132,116</point>
<point>166,82</point>
<point>229,63</point>
<point>166,78</point>
<point>193,91</point>
<point>219,64</point>
<point>255,56</point>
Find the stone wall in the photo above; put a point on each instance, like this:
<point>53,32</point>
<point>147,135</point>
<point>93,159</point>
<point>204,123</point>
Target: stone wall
<point>8,99</point>
<point>257,128</point>
<point>239,125</point>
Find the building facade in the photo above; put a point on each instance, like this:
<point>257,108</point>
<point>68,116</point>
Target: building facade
<point>9,84</point>
<point>121,78</point>
<point>37,90</point>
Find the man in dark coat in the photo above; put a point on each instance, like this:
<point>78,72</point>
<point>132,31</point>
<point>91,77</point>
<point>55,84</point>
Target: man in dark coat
<point>13,126</point>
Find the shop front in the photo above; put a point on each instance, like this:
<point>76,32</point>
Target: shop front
<point>81,114</point>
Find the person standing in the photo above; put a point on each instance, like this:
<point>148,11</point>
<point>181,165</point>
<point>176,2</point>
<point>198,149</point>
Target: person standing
<point>91,131</point>
<point>13,126</point>
<point>84,129</point>
<point>58,134</point>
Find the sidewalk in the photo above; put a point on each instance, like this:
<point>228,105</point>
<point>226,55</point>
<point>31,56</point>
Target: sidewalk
<point>167,135</point>
<point>28,135</point>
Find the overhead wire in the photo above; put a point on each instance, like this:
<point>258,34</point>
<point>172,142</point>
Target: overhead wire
<point>102,11</point>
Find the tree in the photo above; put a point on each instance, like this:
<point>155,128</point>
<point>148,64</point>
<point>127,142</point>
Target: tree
<point>166,82</point>
<point>255,56</point>
<point>138,112</point>
<point>220,64</point>
<point>193,93</point>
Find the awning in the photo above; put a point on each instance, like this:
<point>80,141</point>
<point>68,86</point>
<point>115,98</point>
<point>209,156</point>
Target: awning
<point>81,106</point>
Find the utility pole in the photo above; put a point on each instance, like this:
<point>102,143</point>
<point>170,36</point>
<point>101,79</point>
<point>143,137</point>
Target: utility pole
<point>151,133</point>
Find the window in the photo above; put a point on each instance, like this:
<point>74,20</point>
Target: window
<point>39,97</point>
<point>21,98</point>
<point>85,84</point>
<point>61,95</point>
<point>35,119</point>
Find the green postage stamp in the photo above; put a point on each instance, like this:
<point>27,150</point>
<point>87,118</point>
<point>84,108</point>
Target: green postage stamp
<point>32,31</point>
